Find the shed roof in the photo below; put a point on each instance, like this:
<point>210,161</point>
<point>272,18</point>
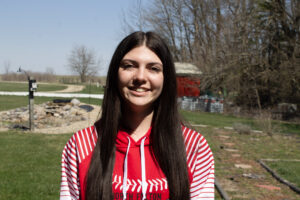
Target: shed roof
<point>187,69</point>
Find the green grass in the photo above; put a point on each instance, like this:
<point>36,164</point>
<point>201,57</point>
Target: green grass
<point>23,87</point>
<point>11,102</point>
<point>213,119</point>
<point>30,165</point>
<point>92,89</point>
<point>288,170</point>
<point>221,120</point>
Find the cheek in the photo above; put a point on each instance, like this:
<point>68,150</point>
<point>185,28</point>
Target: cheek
<point>159,83</point>
<point>122,79</point>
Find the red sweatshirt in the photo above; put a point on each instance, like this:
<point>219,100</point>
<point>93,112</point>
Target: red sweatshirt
<point>135,174</point>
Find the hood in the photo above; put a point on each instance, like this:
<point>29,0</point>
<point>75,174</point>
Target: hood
<point>122,140</point>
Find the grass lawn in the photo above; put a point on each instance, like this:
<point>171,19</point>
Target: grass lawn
<point>288,170</point>
<point>30,165</point>
<point>10,102</point>
<point>23,87</point>
<point>221,121</point>
<point>92,89</point>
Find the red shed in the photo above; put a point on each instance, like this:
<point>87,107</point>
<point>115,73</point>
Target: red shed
<point>188,79</point>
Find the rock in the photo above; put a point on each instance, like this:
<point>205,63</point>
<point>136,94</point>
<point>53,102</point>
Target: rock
<point>229,144</point>
<point>253,176</point>
<point>243,166</point>
<point>46,115</point>
<point>80,112</point>
<point>231,150</point>
<point>67,107</point>
<point>269,187</point>
<point>224,136</point>
<point>75,102</point>
<point>199,125</point>
<point>228,128</point>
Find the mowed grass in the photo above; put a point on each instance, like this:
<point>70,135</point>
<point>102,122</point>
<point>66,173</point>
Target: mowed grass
<point>92,89</point>
<point>221,121</point>
<point>30,165</point>
<point>289,170</point>
<point>23,87</point>
<point>11,102</point>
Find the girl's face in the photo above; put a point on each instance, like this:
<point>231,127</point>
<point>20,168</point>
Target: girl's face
<point>140,78</point>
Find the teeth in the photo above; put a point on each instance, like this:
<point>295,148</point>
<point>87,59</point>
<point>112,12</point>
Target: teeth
<point>140,90</point>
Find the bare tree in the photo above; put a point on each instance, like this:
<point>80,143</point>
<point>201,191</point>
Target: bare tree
<point>83,62</point>
<point>6,65</point>
<point>251,48</point>
<point>133,18</point>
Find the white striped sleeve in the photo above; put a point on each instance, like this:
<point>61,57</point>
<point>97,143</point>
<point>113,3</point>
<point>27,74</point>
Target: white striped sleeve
<point>202,185</point>
<point>69,188</point>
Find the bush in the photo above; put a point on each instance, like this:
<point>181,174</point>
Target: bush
<point>242,128</point>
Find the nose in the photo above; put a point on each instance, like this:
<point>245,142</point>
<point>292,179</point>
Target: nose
<point>140,75</point>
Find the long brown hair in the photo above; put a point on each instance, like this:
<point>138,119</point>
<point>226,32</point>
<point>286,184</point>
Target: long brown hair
<point>166,137</point>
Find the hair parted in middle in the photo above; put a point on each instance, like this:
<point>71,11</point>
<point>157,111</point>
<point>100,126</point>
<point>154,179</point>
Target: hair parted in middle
<point>166,139</point>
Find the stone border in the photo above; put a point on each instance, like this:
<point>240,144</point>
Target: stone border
<point>222,192</point>
<point>275,175</point>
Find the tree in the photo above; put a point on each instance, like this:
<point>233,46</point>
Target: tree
<point>83,62</point>
<point>249,47</point>
<point>6,64</point>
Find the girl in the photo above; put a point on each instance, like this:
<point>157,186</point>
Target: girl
<point>139,148</point>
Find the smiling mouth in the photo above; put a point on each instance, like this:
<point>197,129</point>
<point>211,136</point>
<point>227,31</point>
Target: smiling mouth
<point>139,89</point>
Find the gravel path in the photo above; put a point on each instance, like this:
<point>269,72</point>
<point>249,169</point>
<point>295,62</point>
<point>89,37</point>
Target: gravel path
<point>71,88</point>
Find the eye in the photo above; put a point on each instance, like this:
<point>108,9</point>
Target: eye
<point>155,68</point>
<point>126,65</point>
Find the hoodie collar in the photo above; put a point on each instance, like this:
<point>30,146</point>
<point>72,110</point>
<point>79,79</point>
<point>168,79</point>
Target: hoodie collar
<point>122,140</point>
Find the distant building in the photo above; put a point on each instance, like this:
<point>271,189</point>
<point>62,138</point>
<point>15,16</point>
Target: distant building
<point>188,79</point>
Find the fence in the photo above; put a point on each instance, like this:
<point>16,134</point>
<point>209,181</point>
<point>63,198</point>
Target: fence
<point>202,103</point>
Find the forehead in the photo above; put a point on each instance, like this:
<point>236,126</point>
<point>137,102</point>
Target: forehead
<point>142,54</point>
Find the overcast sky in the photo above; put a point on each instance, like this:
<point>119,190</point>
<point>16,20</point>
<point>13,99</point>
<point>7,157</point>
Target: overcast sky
<point>39,34</point>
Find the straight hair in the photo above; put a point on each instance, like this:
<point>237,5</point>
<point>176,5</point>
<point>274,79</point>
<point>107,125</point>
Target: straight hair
<point>167,144</point>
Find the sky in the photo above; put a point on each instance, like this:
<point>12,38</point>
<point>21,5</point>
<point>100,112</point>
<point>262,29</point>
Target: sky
<point>40,34</point>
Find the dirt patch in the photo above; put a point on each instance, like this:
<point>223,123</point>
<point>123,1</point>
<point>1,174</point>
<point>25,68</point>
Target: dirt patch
<point>71,88</point>
<point>237,169</point>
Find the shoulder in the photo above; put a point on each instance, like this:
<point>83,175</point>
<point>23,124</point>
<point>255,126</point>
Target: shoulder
<point>196,145</point>
<point>191,136</point>
<point>82,142</point>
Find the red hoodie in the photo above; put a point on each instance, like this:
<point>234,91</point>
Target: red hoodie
<point>135,173</point>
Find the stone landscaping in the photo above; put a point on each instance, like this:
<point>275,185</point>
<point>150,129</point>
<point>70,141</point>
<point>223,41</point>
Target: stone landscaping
<point>46,115</point>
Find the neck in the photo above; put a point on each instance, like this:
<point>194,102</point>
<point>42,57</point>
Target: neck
<point>137,123</point>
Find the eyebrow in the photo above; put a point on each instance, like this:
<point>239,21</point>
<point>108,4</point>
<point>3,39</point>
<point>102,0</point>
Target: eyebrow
<point>134,62</point>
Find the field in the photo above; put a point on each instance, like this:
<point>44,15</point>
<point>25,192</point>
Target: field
<point>30,165</point>
<point>23,87</point>
<point>10,102</point>
<point>30,162</point>
<point>92,89</point>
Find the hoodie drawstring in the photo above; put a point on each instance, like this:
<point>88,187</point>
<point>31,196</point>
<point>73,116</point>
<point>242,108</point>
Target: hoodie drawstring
<point>144,183</point>
<point>125,171</point>
<point>143,165</point>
